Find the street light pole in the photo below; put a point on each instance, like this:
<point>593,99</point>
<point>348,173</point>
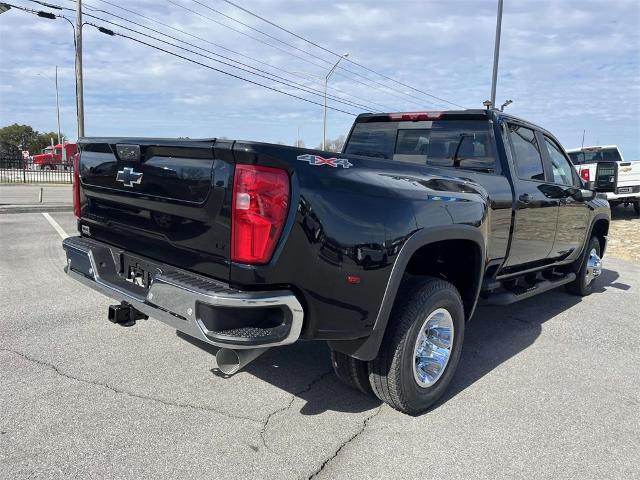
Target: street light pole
<point>79,85</point>
<point>77,42</point>
<point>326,83</point>
<point>496,54</point>
<point>505,104</point>
<point>58,108</point>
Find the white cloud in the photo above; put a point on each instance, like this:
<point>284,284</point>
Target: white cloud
<point>568,65</point>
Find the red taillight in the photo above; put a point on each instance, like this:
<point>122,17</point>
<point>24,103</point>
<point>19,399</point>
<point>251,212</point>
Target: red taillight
<point>260,205</point>
<point>584,174</point>
<point>76,185</point>
<point>415,116</point>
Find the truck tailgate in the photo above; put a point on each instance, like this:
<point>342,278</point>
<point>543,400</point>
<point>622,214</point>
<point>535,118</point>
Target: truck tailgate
<point>629,174</point>
<point>163,199</point>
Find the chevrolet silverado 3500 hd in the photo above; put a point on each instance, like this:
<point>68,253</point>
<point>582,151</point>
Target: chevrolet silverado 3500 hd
<point>383,250</point>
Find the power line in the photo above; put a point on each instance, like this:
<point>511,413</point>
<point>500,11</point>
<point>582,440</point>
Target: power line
<point>275,78</point>
<point>335,53</point>
<point>226,49</point>
<point>295,47</point>
<point>376,85</point>
<point>283,82</point>
<point>345,101</point>
<point>142,42</point>
<point>344,93</point>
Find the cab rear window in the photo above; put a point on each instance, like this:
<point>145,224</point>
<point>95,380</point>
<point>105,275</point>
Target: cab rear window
<point>466,144</point>
<point>595,156</point>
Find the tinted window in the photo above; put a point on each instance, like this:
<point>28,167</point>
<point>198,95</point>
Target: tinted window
<point>528,161</point>
<point>576,157</point>
<point>611,155</point>
<point>447,143</point>
<point>560,166</point>
<point>596,155</point>
<point>375,139</point>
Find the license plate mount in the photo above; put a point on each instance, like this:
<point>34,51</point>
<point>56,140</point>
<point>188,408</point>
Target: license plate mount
<point>624,190</point>
<point>137,271</point>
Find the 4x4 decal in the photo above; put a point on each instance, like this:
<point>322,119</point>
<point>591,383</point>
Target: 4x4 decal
<point>317,161</point>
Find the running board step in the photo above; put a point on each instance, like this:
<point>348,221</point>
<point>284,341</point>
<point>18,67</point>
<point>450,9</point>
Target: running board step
<point>507,298</point>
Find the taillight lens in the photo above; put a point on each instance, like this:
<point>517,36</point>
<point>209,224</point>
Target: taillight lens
<point>260,205</point>
<point>76,185</point>
<point>584,174</point>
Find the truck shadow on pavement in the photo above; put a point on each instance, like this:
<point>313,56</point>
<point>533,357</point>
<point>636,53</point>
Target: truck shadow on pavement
<point>623,213</point>
<point>304,370</point>
<point>495,335</point>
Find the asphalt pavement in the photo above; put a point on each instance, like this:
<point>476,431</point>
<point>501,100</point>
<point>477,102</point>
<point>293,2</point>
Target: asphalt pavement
<point>547,388</point>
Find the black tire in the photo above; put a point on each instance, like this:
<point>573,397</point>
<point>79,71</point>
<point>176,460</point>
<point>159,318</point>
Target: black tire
<point>636,207</point>
<point>391,373</point>
<point>579,286</point>
<point>352,372</point>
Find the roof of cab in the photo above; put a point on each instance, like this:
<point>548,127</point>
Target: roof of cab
<point>423,115</point>
<point>591,148</point>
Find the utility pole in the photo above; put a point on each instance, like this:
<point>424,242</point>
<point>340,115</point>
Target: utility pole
<point>496,54</point>
<point>58,108</point>
<point>326,83</point>
<point>79,87</point>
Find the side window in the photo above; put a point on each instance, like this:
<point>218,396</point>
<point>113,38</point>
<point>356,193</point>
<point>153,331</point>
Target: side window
<point>560,166</point>
<point>577,157</point>
<point>528,161</point>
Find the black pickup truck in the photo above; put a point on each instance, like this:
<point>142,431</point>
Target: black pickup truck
<point>383,250</point>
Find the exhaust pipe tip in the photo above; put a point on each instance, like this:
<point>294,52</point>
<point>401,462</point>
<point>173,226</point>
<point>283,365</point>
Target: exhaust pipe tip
<point>232,361</point>
<point>228,361</point>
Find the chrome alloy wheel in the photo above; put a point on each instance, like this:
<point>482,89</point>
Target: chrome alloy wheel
<point>594,267</point>
<point>433,348</point>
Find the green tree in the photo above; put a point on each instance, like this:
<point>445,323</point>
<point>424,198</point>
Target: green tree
<point>43,140</point>
<point>14,138</point>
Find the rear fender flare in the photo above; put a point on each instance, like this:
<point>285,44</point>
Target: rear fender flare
<point>581,258</point>
<point>367,349</point>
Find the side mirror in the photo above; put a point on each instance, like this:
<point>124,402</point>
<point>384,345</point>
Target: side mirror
<point>582,195</point>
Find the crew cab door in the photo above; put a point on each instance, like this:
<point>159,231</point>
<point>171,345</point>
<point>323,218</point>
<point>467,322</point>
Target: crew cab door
<point>536,210</point>
<point>573,214</point>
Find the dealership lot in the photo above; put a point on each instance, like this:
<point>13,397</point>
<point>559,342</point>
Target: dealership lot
<point>546,388</point>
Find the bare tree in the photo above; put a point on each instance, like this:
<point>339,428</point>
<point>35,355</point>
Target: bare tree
<point>334,145</point>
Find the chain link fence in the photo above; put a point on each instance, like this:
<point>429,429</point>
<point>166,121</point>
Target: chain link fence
<point>19,170</point>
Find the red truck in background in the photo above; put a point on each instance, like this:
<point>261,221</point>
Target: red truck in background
<point>52,158</point>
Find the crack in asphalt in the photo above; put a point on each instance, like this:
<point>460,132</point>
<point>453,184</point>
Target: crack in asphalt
<point>268,418</point>
<point>265,422</point>
<point>124,392</point>
<point>345,443</point>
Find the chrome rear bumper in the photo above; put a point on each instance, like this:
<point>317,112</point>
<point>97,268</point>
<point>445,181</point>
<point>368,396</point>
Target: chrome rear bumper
<point>189,302</point>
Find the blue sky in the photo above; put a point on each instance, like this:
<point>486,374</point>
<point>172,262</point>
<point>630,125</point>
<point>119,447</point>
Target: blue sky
<point>568,65</point>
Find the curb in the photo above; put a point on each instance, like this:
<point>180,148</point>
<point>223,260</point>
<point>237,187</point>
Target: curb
<point>9,209</point>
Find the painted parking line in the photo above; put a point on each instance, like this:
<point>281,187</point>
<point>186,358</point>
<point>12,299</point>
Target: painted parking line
<point>55,225</point>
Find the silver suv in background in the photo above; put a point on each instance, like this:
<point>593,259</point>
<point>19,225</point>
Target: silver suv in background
<point>627,180</point>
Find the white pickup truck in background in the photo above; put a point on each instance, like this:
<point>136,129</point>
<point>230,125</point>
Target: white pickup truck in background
<point>627,191</point>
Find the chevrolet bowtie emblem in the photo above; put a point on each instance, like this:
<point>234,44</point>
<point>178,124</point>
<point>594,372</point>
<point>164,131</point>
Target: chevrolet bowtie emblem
<point>128,176</point>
